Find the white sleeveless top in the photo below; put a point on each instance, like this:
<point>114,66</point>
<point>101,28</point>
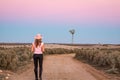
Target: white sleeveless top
<point>38,49</point>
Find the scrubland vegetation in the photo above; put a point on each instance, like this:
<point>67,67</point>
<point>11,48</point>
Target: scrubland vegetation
<point>104,58</point>
<point>58,51</point>
<point>11,58</point>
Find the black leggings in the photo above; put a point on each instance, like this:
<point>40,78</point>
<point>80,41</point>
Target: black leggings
<point>38,58</point>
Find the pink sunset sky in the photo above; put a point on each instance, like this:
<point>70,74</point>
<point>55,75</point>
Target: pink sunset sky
<point>61,10</point>
<point>93,20</point>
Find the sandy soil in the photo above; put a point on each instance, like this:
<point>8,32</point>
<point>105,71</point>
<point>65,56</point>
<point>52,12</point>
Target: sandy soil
<point>62,67</point>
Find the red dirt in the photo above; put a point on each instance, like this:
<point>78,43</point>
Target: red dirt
<point>62,67</point>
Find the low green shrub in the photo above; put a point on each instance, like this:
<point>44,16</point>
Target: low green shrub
<point>12,58</point>
<point>102,57</point>
<point>58,51</point>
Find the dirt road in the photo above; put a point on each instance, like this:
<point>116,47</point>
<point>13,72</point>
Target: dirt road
<point>62,67</point>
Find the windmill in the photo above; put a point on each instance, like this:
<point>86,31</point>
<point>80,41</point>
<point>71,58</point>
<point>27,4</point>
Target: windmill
<point>72,31</point>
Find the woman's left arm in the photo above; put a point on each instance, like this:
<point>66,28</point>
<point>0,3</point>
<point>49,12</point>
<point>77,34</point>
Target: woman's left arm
<point>32,48</point>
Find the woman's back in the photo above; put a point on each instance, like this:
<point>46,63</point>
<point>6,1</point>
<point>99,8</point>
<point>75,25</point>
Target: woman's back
<point>38,49</point>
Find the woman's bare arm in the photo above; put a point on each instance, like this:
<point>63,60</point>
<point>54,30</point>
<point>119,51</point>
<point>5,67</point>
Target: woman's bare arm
<point>43,48</point>
<point>32,48</point>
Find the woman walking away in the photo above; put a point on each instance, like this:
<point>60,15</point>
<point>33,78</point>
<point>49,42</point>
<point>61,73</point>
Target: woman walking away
<point>38,49</point>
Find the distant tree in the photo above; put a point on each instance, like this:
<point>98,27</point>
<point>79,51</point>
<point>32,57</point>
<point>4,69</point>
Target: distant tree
<point>72,31</point>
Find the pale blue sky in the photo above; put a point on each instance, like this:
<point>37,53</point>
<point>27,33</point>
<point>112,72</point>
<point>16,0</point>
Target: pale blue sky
<point>25,31</point>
